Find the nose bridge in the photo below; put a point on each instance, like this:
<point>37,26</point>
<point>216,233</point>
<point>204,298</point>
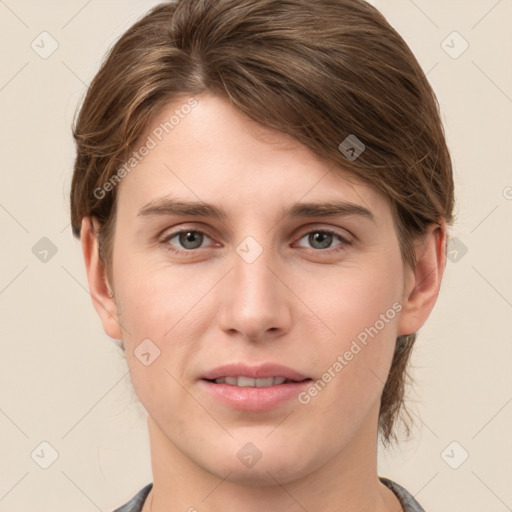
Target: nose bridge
<point>255,300</point>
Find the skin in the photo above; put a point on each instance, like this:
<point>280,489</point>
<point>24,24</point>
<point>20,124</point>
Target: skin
<point>297,304</point>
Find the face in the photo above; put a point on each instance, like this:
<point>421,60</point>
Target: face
<point>255,282</point>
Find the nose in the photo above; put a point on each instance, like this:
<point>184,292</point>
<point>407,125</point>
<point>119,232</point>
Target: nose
<point>254,301</point>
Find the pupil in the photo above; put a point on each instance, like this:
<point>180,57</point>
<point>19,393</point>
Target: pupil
<point>189,239</point>
<point>324,239</point>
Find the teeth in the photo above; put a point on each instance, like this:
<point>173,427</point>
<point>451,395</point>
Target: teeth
<point>245,382</point>
<point>248,382</point>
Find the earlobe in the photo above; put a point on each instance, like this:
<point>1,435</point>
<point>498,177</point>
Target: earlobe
<point>424,281</point>
<point>100,289</point>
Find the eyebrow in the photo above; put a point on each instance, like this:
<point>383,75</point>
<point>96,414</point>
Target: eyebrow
<point>167,206</point>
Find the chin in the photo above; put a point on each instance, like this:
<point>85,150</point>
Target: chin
<point>252,467</point>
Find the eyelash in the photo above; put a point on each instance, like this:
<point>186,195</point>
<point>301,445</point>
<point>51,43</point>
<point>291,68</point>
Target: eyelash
<point>345,240</point>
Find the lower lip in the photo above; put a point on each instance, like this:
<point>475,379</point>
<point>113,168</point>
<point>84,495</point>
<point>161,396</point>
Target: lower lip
<point>255,399</point>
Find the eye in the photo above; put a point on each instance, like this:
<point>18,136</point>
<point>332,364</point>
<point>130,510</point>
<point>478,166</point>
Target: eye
<point>322,239</point>
<point>188,240</point>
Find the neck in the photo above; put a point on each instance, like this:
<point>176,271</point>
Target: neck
<point>348,481</point>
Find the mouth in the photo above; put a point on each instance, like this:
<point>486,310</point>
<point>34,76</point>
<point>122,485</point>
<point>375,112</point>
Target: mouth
<point>253,388</point>
<point>249,382</point>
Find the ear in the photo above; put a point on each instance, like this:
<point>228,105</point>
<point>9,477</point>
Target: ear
<point>99,287</point>
<point>422,284</point>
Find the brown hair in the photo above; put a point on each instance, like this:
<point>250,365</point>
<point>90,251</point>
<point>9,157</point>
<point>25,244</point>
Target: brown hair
<point>318,70</point>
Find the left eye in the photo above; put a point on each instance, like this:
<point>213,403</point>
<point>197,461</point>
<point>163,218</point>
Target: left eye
<point>323,239</point>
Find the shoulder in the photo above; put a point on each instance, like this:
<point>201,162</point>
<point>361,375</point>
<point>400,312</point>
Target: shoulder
<point>406,499</point>
<point>136,503</point>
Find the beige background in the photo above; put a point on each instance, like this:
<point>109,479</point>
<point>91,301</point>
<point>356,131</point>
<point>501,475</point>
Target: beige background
<point>64,382</point>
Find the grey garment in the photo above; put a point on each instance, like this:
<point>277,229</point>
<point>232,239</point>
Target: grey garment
<point>137,502</point>
<point>406,499</point>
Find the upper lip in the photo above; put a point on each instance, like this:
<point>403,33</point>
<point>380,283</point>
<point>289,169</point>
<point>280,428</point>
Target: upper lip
<point>260,371</point>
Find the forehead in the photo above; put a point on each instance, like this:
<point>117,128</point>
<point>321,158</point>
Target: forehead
<point>213,151</point>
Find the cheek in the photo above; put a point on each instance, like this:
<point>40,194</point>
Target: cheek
<point>152,298</point>
<point>167,307</point>
<point>361,309</point>
<point>361,297</point>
